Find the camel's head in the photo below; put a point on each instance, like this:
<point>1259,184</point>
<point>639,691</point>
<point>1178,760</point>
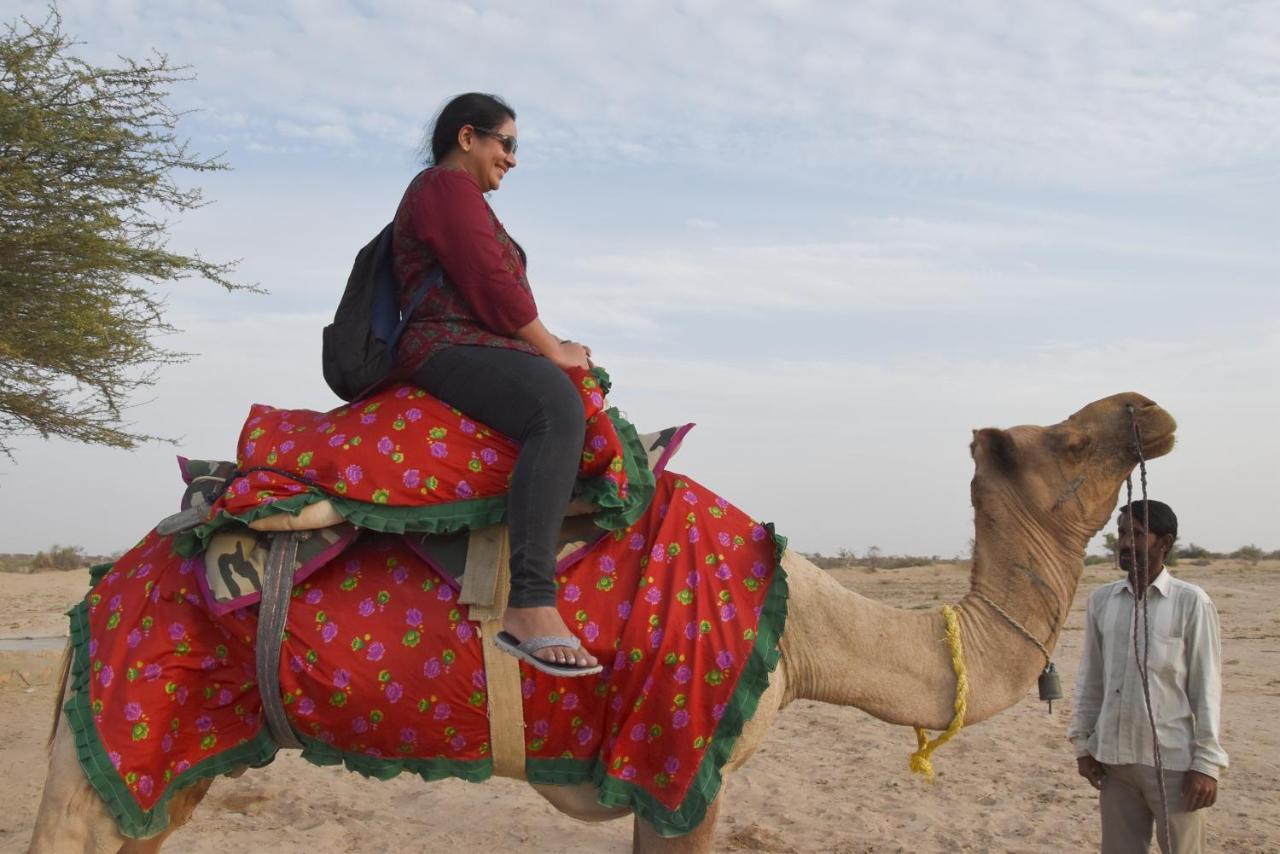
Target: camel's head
<point>1066,478</point>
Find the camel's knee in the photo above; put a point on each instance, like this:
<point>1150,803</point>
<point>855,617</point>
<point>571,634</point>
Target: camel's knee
<point>580,802</point>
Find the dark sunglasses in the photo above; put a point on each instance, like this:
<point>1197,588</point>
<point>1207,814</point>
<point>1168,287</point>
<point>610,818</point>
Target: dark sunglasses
<point>509,143</point>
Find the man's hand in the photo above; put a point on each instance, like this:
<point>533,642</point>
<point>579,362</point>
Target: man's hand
<point>1198,791</point>
<point>1091,769</point>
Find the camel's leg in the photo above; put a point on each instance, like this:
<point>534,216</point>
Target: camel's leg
<point>180,808</point>
<point>645,840</point>
<point>72,818</point>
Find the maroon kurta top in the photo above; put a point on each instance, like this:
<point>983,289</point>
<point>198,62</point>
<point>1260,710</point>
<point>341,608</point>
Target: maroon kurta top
<point>485,296</point>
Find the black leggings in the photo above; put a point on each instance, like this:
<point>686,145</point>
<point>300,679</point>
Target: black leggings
<point>528,399</point>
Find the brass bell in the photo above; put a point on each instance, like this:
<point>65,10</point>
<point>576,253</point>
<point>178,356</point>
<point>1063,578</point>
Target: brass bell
<point>1050,686</point>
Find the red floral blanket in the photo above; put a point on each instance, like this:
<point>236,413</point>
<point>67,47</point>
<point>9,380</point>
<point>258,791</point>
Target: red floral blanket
<point>403,461</point>
<point>381,670</point>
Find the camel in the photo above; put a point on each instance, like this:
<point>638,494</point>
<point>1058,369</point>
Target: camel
<point>1039,494</point>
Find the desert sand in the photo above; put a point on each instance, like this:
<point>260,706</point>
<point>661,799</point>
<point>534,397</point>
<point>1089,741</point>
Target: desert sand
<point>828,779</point>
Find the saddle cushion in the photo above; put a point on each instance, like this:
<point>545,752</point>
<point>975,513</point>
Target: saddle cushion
<point>382,671</point>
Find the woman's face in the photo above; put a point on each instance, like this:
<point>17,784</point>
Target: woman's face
<point>485,153</point>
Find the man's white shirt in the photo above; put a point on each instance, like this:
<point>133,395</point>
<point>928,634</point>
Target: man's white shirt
<point>1184,666</point>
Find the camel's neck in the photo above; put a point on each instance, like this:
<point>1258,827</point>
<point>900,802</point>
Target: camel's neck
<point>843,648</point>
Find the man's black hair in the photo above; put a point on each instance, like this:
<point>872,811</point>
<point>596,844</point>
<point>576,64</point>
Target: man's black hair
<point>1162,519</point>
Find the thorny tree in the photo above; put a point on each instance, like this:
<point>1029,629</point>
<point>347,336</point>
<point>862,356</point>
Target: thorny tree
<point>87,157</point>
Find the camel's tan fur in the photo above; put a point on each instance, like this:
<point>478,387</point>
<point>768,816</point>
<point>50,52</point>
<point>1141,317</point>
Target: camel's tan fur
<point>1039,494</point>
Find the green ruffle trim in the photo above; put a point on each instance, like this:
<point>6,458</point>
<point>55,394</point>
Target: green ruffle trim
<point>133,820</point>
<point>615,512</point>
<point>707,781</point>
<point>379,768</point>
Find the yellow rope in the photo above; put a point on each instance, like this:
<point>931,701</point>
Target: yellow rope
<point>920,762</point>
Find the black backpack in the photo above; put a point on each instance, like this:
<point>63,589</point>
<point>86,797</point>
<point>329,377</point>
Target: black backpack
<point>360,345</point>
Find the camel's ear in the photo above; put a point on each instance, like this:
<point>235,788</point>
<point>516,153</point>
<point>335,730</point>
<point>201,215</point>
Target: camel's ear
<point>998,445</point>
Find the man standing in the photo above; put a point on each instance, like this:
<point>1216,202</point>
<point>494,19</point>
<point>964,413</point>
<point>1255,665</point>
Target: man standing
<point>1109,725</point>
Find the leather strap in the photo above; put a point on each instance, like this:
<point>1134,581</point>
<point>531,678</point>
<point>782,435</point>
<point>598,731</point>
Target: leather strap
<point>277,586</point>
<point>489,558</point>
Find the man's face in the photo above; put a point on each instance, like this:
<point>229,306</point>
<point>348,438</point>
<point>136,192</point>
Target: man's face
<point>1131,535</point>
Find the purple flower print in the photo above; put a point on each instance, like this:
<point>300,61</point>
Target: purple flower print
<point>341,678</point>
<point>541,728</point>
<point>313,597</point>
<point>365,608</point>
<point>408,735</point>
<point>692,579</point>
<point>572,593</point>
<point>624,610</point>
<point>758,533</point>
<point>93,647</point>
<point>638,732</point>
<point>690,631</point>
<point>224,697</point>
<point>368,418</point>
<point>152,671</point>
<point>432,668</point>
<point>359,725</point>
<point>413,415</point>
<point>680,719</point>
<point>527,688</point>
<point>717,711</point>
<point>653,595</point>
<point>385,445</point>
<point>412,478</point>
<point>296,664</point>
<point>658,553</point>
<point>287,446</point>
<point>655,639</point>
<point>464,631</point>
<point>648,685</point>
<point>176,630</point>
<point>444,593</point>
<point>354,474</point>
<point>597,400</point>
<point>413,617</point>
<point>249,448</point>
<point>721,503</point>
<point>135,638</point>
<point>443,712</point>
<point>620,662</point>
<point>143,571</point>
<point>329,632</point>
<point>439,450</point>
<point>672,765</point>
<point>464,489</point>
<point>635,542</point>
<point>628,772</point>
<point>132,711</point>
<point>115,759</point>
<point>607,565</point>
<point>209,663</point>
<point>457,742</point>
<point>724,659</point>
<point>585,734</point>
<point>403,392</point>
<point>466,426</point>
<point>569,702</point>
<point>724,538</point>
<point>694,536</point>
<point>689,497</point>
<point>146,785</point>
<point>306,706</point>
<point>155,595</point>
<point>394,692</point>
<point>590,631</point>
<point>723,572</point>
<point>728,612</point>
<point>182,765</point>
<point>478,679</point>
<point>376,651</point>
<point>616,702</point>
<point>488,456</point>
<point>683,674</point>
<point>166,743</point>
<point>181,695</point>
<point>598,443</point>
<point>337,439</point>
<point>204,723</point>
<point>242,487</point>
<point>758,569</point>
<point>400,575</point>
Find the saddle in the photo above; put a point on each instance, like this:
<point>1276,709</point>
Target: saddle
<point>260,562</point>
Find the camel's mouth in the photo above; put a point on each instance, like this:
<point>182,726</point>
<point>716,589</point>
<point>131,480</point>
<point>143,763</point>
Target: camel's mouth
<point>1158,447</point>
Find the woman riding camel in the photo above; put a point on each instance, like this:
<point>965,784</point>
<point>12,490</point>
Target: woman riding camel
<point>476,342</point>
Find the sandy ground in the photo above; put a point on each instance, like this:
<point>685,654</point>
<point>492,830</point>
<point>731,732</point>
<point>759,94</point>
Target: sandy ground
<point>828,779</point>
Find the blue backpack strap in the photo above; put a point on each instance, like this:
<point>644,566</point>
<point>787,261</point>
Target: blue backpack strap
<point>435,277</point>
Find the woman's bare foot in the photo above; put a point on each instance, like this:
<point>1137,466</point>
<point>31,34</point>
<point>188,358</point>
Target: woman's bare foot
<point>525,623</point>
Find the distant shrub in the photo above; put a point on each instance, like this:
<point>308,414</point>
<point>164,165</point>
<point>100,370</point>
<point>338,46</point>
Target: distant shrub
<point>1095,560</point>
<point>1250,554</point>
<point>59,557</point>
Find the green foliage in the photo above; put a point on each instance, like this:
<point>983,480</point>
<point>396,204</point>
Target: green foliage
<point>87,156</point>
<point>1191,551</point>
<point>1250,554</point>
<point>59,557</point>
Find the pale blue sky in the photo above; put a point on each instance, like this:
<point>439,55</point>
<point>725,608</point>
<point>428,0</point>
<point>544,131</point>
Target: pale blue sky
<point>836,235</point>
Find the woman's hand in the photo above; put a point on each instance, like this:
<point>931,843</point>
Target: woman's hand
<point>571,354</point>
